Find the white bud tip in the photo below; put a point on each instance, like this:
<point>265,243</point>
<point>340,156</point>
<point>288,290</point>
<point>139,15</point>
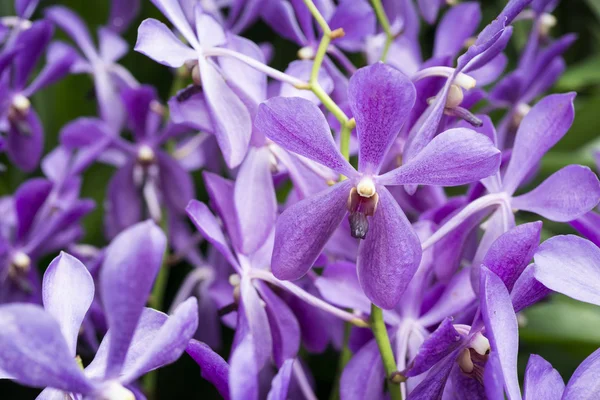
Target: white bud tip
<point>115,391</point>
<point>480,344</point>
<point>21,103</point>
<point>366,187</point>
<point>234,280</point>
<point>145,154</point>
<point>306,53</point>
<point>21,260</point>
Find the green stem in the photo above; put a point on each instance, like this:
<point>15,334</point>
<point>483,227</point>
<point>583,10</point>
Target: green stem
<point>313,83</point>
<point>385,24</point>
<point>387,355</point>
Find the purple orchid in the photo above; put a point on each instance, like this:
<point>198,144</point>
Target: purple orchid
<point>229,116</point>
<point>391,250</point>
<point>25,137</point>
<point>459,357</point>
<point>215,370</point>
<point>148,177</point>
<point>41,218</point>
<point>39,344</point>
<point>101,63</point>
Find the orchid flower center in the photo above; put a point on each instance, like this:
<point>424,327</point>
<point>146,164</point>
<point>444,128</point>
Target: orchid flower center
<point>145,155</point>
<point>521,111</point>
<point>19,108</point>
<point>20,263</point>
<point>472,359</point>
<point>362,203</point>
<point>306,53</point>
<point>115,391</point>
<point>547,22</point>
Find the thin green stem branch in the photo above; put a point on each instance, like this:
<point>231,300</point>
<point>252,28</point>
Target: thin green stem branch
<point>385,24</point>
<point>387,355</point>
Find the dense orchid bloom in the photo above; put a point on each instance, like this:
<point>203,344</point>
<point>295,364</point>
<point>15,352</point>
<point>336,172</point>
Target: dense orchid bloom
<point>390,253</point>
<point>216,370</point>
<point>539,68</point>
<point>408,323</point>
<point>39,344</point>
<point>20,122</point>
<point>41,218</point>
<point>490,42</point>
<point>229,116</point>
<point>566,195</point>
<point>459,356</point>
<point>292,20</point>
<point>148,177</point>
<point>570,265</point>
<point>101,63</point>
<point>262,332</point>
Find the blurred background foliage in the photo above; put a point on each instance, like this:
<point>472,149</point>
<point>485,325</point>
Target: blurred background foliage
<point>561,330</point>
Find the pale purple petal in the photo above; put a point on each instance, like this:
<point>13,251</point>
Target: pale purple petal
<point>189,107</point>
<point>285,330</point>
<point>67,293</point>
<point>34,351</point>
<point>130,266</point>
<point>570,265</point>
<point>123,204</point>
<point>511,253</point>
<point>303,230</point>
<point>59,61</point>
<point>544,125</point>
<point>527,290</point>
<point>380,98</point>
<point>454,157</point>
<point>338,284</point>
<point>432,387</point>
<point>249,80</point>
<point>122,13</point>
<point>74,26</point>
<point>501,328</point>
<point>112,46</point>
<point>155,40</point>
<point>33,41</point>
<point>357,19</point>
<point>148,326</point>
<point>173,11</point>
<point>230,117</point>
<point>210,32</point>
<point>584,384</point>
<point>302,70</point>
<point>390,254</point>
<point>28,199</point>
<point>443,341</point>
<point>279,14</point>
<point>176,184</point>
<point>243,371</point>
<point>364,375</point>
<point>257,321</point>
<point>25,142</point>
<point>281,382</point>
<point>207,224</point>
<point>542,381</point>
<point>255,201</point>
<point>167,344</point>
<point>566,195</point>
<point>212,366</point>
<point>455,28</point>
<point>299,126</point>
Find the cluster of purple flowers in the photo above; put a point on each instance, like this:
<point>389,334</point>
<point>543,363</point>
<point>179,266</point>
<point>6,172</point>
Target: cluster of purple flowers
<point>327,223</point>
